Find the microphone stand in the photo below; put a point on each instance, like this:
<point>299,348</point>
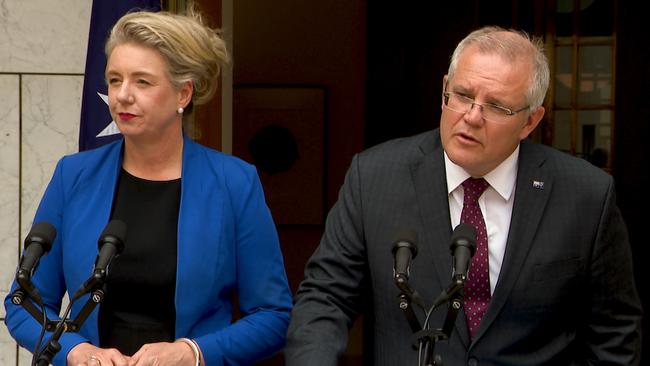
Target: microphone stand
<point>407,295</point>
<point>425,337</point>
<point>94,285</point>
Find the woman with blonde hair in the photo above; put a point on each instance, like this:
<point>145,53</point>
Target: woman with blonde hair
<point>199,230</point>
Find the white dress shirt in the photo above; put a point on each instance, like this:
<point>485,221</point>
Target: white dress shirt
<point>496,206</point>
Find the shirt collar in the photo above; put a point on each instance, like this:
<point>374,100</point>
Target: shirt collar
<point>502,178</point>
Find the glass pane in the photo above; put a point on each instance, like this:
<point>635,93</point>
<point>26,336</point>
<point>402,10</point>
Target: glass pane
<point>595,75</point>
<point>594,136</point>
<point>563,75</point>
<point>562,131</point>
<point>596,18</point>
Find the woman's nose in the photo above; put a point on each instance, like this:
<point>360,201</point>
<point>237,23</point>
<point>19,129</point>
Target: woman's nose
<point>124,94</point>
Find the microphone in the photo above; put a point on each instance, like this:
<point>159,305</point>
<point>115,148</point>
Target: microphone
<point>404,250</point>
<point>37,243</point>
<point>463,247</point>
<point>111,245</point>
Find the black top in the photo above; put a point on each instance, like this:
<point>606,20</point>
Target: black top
<point>139,303</point>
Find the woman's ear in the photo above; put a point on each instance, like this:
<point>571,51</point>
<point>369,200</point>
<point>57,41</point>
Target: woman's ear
<point>185,94</point>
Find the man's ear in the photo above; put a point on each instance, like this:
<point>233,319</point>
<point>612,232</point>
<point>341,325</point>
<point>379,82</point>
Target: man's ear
<point>531,123</point>
<point>444,87</point>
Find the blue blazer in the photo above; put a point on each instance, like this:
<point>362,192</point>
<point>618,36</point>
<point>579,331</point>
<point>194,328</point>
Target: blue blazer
<point>227,242</point>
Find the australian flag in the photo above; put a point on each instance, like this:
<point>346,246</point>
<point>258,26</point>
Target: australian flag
<point>97,126</point>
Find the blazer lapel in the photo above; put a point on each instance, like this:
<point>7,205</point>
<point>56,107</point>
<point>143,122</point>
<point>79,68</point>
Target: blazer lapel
<point>97,187</point>
<point>199,254</point>
<point>534,185</point>
<point>190,238</point>
<point>431,189</point>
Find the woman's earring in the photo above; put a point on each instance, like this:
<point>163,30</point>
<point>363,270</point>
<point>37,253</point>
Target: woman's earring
<point>180,110</point>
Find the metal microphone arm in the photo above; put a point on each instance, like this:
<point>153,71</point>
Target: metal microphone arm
<point>23,297</point>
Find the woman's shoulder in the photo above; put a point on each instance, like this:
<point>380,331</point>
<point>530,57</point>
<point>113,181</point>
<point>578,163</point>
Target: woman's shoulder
<point>221,164</point>
<point>84,160</point>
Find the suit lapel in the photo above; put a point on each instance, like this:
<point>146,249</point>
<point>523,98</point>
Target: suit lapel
<point>430,182</point>
<point>534,185</point>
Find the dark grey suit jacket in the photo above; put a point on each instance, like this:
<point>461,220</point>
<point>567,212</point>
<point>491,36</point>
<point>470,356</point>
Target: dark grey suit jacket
<point>565,295</point>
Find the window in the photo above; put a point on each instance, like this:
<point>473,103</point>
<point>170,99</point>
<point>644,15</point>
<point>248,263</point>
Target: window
<point>581,45</point>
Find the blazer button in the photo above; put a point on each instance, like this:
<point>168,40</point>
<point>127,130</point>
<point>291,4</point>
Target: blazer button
<point>472,362</point>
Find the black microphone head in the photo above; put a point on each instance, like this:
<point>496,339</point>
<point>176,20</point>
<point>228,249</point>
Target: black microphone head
<point>42,233</point>
<point>114,233</point>
<point>464,235</point>
<point>406,238</point>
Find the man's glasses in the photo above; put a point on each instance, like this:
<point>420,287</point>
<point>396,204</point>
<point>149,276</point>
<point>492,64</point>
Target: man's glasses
<point>490,112</point>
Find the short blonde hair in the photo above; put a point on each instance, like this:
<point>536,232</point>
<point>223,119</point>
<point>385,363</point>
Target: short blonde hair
<point>193,51</point>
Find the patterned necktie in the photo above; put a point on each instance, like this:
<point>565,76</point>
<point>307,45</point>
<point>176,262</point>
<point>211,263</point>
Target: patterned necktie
<point>477,286</point>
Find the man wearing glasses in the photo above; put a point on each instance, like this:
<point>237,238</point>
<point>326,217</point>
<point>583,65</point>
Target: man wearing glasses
<point>550,282</point>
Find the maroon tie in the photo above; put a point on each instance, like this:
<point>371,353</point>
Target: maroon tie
<point>477,286</point>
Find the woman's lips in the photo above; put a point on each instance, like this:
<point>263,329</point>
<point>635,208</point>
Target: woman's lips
<point>126,116</point>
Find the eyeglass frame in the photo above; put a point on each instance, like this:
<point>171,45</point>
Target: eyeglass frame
<point>508,112</point>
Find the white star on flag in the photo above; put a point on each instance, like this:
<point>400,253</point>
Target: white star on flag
<point>111,129</point>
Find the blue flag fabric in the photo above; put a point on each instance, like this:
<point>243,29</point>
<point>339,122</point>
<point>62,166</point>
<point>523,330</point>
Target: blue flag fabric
<point>97,126</point>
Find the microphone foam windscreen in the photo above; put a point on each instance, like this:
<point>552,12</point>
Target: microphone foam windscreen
<point>114,232</point>
<point>464,234</point>
<point>406,238</point>
<point>42,233</point>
